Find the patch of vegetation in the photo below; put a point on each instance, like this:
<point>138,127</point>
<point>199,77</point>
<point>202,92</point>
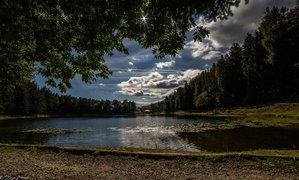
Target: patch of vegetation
<point>130,149</point>
<point>264,121</point>
<point>57,131</point>
<point>31,149</point>
<point>236,122</point>
<point>290,110</point>
<point>4,117</point>
<point>130,158</point>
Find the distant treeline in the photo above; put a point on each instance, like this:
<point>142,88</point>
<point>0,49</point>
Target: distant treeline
<point>265,68</point>
<point>30,99</point>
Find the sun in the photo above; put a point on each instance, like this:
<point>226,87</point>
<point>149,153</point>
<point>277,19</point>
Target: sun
<point>143,18</point>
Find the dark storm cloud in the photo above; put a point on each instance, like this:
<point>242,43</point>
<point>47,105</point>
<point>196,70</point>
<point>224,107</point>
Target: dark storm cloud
<point>246,19</point>
<point>140,93</point>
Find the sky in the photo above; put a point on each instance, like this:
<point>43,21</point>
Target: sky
<point>141,78</point>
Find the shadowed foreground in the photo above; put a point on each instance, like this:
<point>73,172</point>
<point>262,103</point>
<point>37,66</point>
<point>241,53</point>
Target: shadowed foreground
<point>50,166</point>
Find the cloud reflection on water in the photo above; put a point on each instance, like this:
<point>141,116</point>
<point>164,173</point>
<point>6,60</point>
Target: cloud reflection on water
<point>152,137</point>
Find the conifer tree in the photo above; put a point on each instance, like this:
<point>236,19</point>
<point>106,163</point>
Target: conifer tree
<point>279,40</point>
<point>21,100</point>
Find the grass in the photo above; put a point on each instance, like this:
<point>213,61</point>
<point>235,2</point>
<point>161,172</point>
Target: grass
<point>31,149</point>
<point>4,117</point>
<point>57,130</point>
<point>130,149</point>
<point>277,110</point>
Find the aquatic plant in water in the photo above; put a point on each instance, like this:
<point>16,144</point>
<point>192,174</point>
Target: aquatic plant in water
<point>231,123</point>
<point>57,130</point>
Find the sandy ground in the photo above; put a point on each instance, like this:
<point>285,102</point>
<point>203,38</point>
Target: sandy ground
<point>48,166</point>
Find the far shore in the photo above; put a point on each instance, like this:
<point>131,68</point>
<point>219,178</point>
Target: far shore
<point>286,110</point>
<point>5,117</point>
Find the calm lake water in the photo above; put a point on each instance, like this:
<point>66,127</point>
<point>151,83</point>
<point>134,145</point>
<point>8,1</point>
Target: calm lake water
<point>147,132</point>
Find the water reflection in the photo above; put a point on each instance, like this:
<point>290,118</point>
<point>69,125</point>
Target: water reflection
<point>24,138</point>
<point>245,138</point>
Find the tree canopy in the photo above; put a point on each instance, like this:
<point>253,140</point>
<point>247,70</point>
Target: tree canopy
<point>61,39</point>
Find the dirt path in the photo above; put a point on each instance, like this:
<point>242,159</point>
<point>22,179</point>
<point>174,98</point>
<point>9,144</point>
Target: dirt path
<point>48,166</point>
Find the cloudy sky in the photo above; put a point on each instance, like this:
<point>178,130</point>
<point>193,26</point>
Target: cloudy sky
<point>141,78</point>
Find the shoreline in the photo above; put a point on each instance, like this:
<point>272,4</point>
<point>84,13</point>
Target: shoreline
<point>287,110</point>
<point>7,117</point>
<point>148,153</point>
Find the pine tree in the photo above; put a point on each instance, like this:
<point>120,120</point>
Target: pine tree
<point>50,98</point>
<point>279,34</point>
<point>22,100</point>
<point>255,69</point>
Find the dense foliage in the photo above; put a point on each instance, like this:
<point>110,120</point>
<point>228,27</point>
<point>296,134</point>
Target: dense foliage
<point>28,98</point>
<point>264,69</point>
<point>61,39</point>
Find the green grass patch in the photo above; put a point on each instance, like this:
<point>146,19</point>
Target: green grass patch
<point>33,150</point>
<point>278,109</point>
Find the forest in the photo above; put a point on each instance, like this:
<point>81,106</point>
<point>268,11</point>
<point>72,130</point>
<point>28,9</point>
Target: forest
<point>265,68</point>
<point>30,99</point>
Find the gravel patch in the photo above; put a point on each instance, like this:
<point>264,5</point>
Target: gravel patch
<point>48,166</point>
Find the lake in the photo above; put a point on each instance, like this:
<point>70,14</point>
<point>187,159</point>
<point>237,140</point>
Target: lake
<point>147,132</point>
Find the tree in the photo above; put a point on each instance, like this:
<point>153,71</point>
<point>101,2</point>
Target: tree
<point>132,107</point>
<point>116,105</point>
<point>44,35</point>
<point>222,72</point>
<point>22,100</point>
<point>37,99</point>
<point>236,77</point>
<point>167,104</point>
<point>280,28</point>
<point>202,100</point>
<point>50,99</point>
<point>107,106</point>
<point>255,69</point>
<point>125,106</point>
<point>154,108</point>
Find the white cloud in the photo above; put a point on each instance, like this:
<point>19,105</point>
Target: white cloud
<point>171,76</point>
<point>155,85</point>
<point>101,84</point>
<point>178,56</point>
<point>130,63</point>
<point>190,73</point>
<point>130,70</point>
<point>165,64</point>
<point>211,55</point>
<point>197,48</point>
